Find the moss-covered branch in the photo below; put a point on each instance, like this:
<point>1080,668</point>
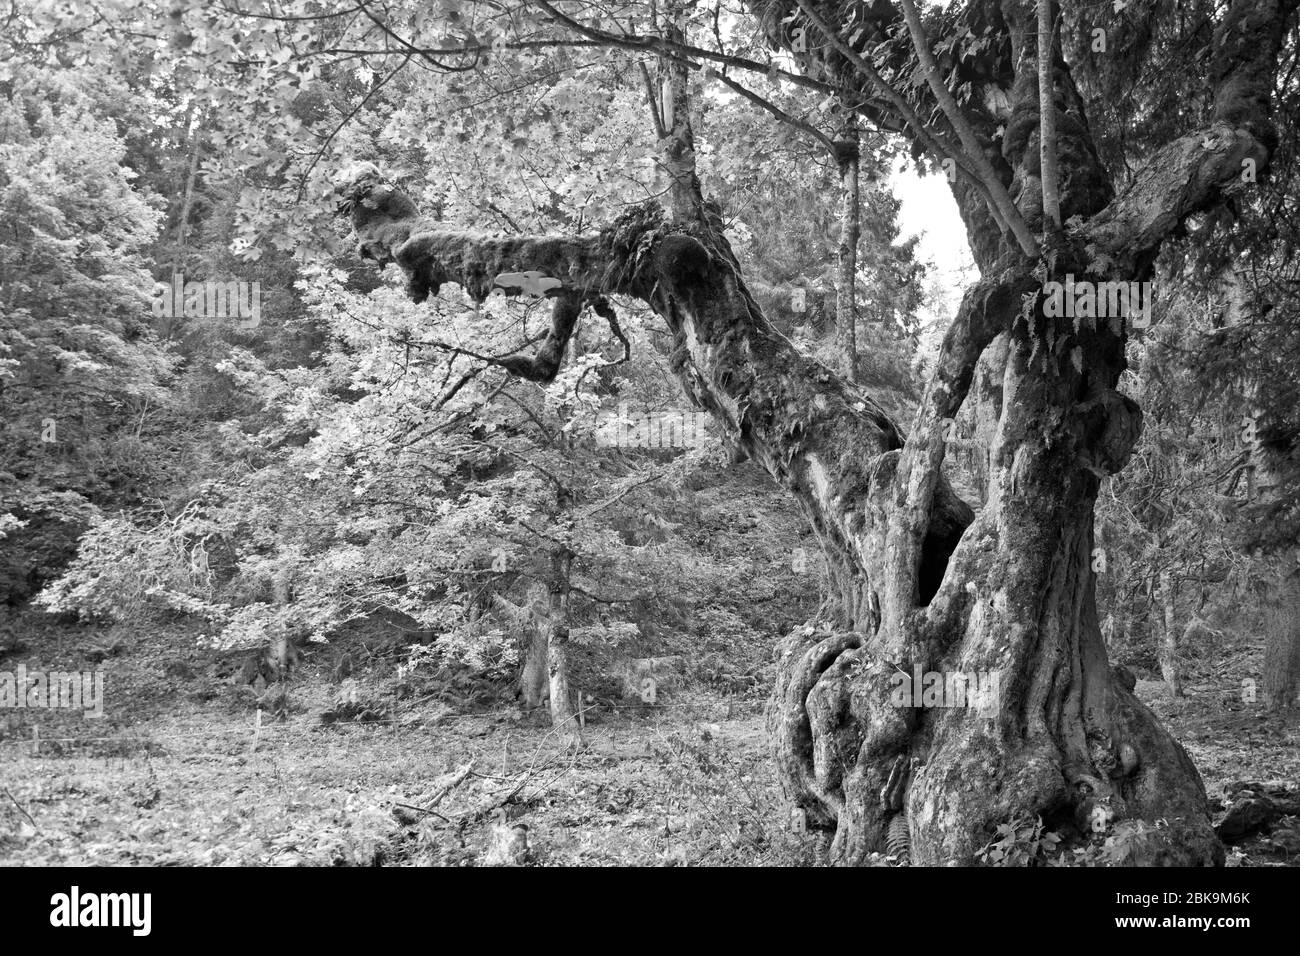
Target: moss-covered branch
<point>816,434</point>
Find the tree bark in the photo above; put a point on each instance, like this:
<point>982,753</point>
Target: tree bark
<point>564,716</point>
<point>281,654</point>
<point>684,198</point>
<point>534,681</point>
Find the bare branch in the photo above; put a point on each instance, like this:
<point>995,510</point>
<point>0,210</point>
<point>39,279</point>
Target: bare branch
<point>970,142</point>
<point>780,114</point>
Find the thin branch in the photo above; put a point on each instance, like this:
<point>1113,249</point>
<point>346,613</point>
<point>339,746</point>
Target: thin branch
<point>21,809</point>
<point>541,426</point>
<point>1047,118</point>
<point>682,52</point>
<point>779,113</point>
<point>506,216</point>
<point>652,100</point>
<point>905,111</point>
<point>971,144</point>
<point>302,185</point>
<point>614,498</point>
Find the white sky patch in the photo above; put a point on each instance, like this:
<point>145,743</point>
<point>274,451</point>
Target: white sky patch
<point>929,211</point>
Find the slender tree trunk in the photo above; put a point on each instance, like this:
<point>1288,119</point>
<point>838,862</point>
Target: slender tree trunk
<point>847,160</point>
<point>182,229</point>
<point>1281,670</point>
<point>1047,118</point>
<point>281,653</point>
<point>1168,652</point>
<point>684,197</point>
<point>534,681</point>
<point>1279,584</point>
<point>564,717</point>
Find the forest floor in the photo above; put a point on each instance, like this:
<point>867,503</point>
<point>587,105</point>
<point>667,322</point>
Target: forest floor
<point>178,773</point>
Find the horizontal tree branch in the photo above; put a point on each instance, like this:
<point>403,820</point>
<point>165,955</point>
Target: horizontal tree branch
<point>826,440</point>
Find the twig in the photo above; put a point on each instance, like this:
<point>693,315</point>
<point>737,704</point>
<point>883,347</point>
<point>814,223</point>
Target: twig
<point>974,152</point>
<point>21,809</point>
<point>407,806</point>
<point>457,777</point>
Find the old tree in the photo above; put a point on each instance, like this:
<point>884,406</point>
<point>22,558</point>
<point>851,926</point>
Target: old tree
<point>1047,189</point>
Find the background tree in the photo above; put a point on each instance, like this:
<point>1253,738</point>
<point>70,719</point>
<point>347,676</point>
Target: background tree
<point>79,366</point>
